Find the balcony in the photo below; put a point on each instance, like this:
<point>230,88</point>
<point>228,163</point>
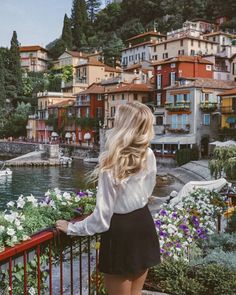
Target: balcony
<point>228,109</point>
<point>177,128</point>
<point>221,69</point>
<point>178,106</point>
<point>208,106</point>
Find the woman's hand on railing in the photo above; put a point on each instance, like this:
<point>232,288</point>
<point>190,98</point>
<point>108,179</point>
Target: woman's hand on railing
<point>62,225</point>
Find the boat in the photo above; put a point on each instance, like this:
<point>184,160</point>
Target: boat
<point>4,171</point>
<point>91,157</point>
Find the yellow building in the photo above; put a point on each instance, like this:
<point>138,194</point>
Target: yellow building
<point>228,109</point>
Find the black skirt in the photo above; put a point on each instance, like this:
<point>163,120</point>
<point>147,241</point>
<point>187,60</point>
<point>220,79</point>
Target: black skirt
<point>131,244</point>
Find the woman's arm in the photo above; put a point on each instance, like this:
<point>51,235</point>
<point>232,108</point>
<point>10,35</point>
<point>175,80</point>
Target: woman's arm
<point>99,220</point>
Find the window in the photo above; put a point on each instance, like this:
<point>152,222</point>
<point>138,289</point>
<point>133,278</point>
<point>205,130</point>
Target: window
<point>172,65</point>
<point>122,96</point>
<point>87,112</point>
<point>159,120</point>
<point>192,52</point>
<point>181,52</point>
<point>184,120</point>
<point>191,42</point>
<point>165,55</point>
<point>172,78</point>
<point>113,110</point>
<point>234,103</point>
<point>165,46</point>
<point>155,49</point>
<point>99,97</point>
<point>159,99</point>
<point>159,81</point>
<point>208,67</point>
<point>206,119</point>
<point>181,42</point>
<point>135,96</point>
<point>174,121</point>
<point>214,39</point>
<point>113,97</point>
<point>199,44</point>
<point>99,112</point>
<point>143,55</point>
<point>159,68</point>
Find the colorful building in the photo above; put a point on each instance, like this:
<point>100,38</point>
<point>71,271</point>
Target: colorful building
<point>34,58</point>
<point>191,115</point>
<point>90,113</point>
<point>228,109</point>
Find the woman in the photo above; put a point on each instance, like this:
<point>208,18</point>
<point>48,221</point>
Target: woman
<point>126,178</point>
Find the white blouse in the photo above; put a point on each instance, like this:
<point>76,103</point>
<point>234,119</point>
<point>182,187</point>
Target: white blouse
<point>130,194</point>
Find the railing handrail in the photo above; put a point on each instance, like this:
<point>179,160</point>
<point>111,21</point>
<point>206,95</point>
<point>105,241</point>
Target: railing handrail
<point>35,240</point>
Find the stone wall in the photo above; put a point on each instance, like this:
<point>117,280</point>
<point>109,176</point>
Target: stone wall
<point>8,148</point>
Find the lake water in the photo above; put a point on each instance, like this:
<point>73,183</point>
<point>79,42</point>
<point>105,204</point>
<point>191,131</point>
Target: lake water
<point>37,180</point>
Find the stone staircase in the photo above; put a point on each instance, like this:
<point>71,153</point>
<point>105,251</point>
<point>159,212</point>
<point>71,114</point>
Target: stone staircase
<point>192,171</point>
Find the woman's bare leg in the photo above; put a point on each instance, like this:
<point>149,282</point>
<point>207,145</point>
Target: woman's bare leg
<point>137,283</point>
<point>117,285</point>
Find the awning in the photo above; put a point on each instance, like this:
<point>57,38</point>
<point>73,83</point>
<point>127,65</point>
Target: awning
<point>191,139</point>
<point>231,120</point>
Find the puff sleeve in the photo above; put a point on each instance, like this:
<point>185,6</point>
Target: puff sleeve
<point>99,220</point>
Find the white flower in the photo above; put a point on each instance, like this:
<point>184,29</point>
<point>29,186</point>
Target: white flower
<point>14,239</point>
<point>20,203</point>
<point>25,237</point>
<point>59,197</point>
<point>67,196</point>
<point>32,291</point>
<point>2,228</point>
<point>57,191</point>
<point>9,217</point>
<point>10,231</point>
<point>47,194</point>
<point>10,204</point>
<point>63,203</point>
<point>17,222</point>
<point>20,227</point>
<point>52,204</point>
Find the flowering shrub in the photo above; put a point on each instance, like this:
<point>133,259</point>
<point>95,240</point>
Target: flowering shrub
<point>28,215</point>
<point>180,226</point>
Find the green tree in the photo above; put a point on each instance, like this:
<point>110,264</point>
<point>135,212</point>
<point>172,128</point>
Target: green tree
<point>67,33</point>
<point>112,49</point>
<point>79,20</point>
<point>93,7</point>
<point>2,83</point>
<point>15,65</point>
<point>56,48</point>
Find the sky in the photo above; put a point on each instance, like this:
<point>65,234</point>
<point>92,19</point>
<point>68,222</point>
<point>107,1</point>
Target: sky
<point>37,22</point>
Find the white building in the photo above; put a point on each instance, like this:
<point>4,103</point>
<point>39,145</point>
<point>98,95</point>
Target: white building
<point>34,58</point>
<point>182,46</point>
<point>138,50</point>
<point>191,28</point>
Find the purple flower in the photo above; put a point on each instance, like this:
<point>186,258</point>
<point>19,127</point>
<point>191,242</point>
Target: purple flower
<point>79,210</point>
<point>162,233</point>
<point>163,212</point>
<point>47,199</point>
<point>178,245</point>
<point>158,223</point>
<point>81,194</point>
<point>183,227</point>
<point>162,250</point>
<point>174,215</point>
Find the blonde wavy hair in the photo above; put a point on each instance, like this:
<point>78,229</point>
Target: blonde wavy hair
<point>127,142</point>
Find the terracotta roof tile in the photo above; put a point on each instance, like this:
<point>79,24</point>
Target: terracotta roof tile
<point>93,89</point>
<point>137,45</point>
<point>182,38</point>
<point>207,83</point>
<point>62,104</point>
<point>131,88</point>
<point>228,92</point>
<point>183,58</point>
<point>151,33</point>
<point>31,48</point>
<point>77,54</point>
